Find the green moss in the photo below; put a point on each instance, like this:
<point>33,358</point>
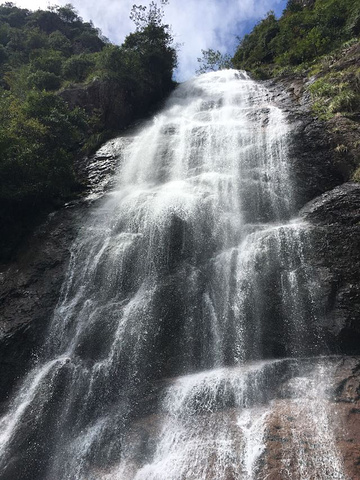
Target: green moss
<point>356,175</point>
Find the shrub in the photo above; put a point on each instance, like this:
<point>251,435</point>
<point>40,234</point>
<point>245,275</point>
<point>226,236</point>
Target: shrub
<point>356,175</point>
<point>302,34</point>
<point>345,101</point>
<point>58,41</point>
<point>47,61</point>
<point>77,68</point>
<point>44,80</point>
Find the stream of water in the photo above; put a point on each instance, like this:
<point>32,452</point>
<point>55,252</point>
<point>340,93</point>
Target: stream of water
<point>187,305</point>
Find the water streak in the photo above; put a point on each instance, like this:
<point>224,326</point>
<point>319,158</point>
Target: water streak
<point>184,278</point>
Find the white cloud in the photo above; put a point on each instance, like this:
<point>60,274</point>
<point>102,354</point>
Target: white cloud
<point>196,24</point>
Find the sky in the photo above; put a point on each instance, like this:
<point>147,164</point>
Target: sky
<point>196,24</point>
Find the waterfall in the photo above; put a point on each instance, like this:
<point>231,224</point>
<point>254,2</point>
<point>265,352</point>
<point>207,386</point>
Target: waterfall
<point>187,311</point>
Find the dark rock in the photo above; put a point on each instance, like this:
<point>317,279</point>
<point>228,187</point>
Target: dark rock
<point>104,97</point>
<point>29,291</point>
<point>335,240</point>
<point>314,164</point>
<point>323,155</point>
<point>115,106</point>
<point>340,205</point>
<point>30,285</point>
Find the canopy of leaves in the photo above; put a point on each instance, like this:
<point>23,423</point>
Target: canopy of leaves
<point>213,60</point>
<point>39,134</point>
<point>44,52</point>
<point>305,31</point>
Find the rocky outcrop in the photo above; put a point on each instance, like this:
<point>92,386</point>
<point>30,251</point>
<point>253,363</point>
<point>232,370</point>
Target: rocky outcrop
<point>30,285</point>
<point>29,290</point>
<point>304,425</point>
<point>324,148</point>
<point>114,106</point>
<point>324,156</point>
<point>102,97</point>
<point>314,167</point>
<point>335,241</point>
<point>292,451</point>
<point>315,162</point>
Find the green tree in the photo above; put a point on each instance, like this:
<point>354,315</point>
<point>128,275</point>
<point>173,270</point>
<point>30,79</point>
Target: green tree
<point>47,61</point>
<point>36,39</point>
<point>213,60</point>
<point>144,16</point>
<point>47,21</point>
<point>58,41</point>
<point>68,14</point>
<point>77,67</point>
<point>150,49</point>
<point>40,134</point>
<point>44,80</point>
<point>3,55</point>
<point>305,31</point>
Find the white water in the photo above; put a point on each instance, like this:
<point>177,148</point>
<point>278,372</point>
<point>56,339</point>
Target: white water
<point>313,451</point>
<point>211,428</point>
<point>190,264</point>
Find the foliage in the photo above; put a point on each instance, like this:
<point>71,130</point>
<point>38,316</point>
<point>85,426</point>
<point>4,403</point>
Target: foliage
<point>144,16</point>
<point>213,60</point>
<point>40,135</point>
<point>44,80</point>
<point>302,34</point>
<point>38,139</point>
<point>60,43</point>
<point>78,67</point>
<point>336,92</point>
<point>151,47</point>
<point>256,48</point>
<point>143,65</point>
<point>47,60</point>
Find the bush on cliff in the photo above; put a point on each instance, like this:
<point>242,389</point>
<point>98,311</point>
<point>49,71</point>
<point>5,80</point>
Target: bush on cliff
<point>302,34</point>
<point>41,54</point>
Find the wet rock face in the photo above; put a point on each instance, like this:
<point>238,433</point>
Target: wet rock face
<point>305,427</point>
<point>290,425</point>
<point>332,207</point>
<point>338,206</point>
<point>116,107</point>
<point>335,240</point>
<point>29,291</point>
<point>314,163</point>
<point>30,285</point>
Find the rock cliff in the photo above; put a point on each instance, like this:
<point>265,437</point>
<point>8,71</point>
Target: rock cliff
<point>30,286</point>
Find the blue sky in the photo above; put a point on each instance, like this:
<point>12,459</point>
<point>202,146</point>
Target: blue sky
<point>196,24</point>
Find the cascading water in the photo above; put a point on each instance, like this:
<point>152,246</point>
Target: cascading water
<point>183,281</point>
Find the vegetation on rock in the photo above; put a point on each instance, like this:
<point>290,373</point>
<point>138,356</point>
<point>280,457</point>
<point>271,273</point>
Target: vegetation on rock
<point>316,41</point>
<point>43,54</point>
<point>305,31</point>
